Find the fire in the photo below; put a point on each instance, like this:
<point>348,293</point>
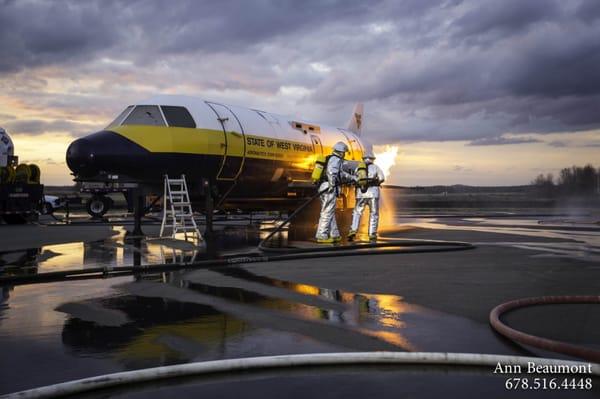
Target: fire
<point>387,210</point>
<point>386,159</point>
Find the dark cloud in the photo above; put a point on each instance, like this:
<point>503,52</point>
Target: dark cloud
<point>588,10</point>
<point>428,69</point>
<point>41,33</point>
<point>227,26</point>
<point>490,20</point>
<point>526,67</point>
<point>64,31</point>
<point>500,140</point>
<point>556,67</point>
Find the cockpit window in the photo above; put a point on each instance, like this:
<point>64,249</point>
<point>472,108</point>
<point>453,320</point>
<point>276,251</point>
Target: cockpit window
<point>178,116</point>
<point>145,115</point>
<point>119,119</point>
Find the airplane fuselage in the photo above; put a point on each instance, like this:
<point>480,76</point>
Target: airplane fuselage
<point>253,156</point>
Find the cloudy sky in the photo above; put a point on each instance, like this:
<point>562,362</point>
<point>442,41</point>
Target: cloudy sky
<point>475,92</point>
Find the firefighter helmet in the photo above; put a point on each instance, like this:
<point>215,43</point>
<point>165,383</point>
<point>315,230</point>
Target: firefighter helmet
<point>369,155</point>
<point>340,147</point>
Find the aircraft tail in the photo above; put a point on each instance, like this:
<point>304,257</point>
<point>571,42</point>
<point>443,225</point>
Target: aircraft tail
<point>355,123</point>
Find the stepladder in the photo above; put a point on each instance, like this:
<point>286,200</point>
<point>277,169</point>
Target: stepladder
<point>178,215</point>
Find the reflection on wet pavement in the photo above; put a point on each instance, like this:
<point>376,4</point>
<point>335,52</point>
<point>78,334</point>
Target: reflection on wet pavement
<point>113,251</point>
<point>386,317</point>
<point>359,321</point>
<point>121,250</point>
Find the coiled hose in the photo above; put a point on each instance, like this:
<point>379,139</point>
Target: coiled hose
<point>540,342</point>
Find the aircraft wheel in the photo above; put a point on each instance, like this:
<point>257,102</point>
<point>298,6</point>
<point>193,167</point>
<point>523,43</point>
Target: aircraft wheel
<point>47,209</point>
<point>98,205</point>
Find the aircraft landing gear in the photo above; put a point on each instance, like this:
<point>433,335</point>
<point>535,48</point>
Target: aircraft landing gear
<point>98,205</point>
<point>138,212</point>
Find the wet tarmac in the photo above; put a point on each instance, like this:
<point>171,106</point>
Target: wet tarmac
<point>61,331</point>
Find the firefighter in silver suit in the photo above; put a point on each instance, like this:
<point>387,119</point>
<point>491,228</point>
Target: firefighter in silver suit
<point>334,177</point>
<point>368,196</point>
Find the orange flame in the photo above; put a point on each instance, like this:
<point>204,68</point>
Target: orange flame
<point>386,159</point>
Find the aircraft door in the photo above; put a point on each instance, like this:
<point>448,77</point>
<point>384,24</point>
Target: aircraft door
<point>317,145</point>
<point>235,143</point>
<point>354,146</point>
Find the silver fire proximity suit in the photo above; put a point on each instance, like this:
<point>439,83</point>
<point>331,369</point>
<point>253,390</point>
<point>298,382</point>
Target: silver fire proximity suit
<point>334,177</point>
<point>369,198</point>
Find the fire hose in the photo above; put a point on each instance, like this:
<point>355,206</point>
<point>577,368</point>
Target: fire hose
<point>540,342</point>
<point>286,361</point>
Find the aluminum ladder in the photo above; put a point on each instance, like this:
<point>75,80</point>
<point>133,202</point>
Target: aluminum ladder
<point>177,209</point>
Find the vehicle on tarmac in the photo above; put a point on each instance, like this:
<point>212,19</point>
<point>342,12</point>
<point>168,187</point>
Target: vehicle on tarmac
<point>52,203</point>
<point>20,190</point>
<point>246,158</point>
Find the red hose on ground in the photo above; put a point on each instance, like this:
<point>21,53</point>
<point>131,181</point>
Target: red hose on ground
<point>539,342</point>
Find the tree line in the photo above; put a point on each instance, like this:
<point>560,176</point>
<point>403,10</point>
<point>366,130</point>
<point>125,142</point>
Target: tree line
<point>576,180</point>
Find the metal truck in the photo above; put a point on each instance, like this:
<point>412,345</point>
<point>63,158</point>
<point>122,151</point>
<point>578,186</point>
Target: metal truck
<point>21,194</point>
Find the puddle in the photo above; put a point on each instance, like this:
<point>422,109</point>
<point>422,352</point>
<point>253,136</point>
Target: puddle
<point>120,250</point>
<point>117,250</point>
<point>389,318</point>
<point>166,314</point>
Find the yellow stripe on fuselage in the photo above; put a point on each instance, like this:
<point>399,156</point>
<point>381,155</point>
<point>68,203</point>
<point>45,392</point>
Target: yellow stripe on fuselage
<point>212,142</point>
<point>175,139</point>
